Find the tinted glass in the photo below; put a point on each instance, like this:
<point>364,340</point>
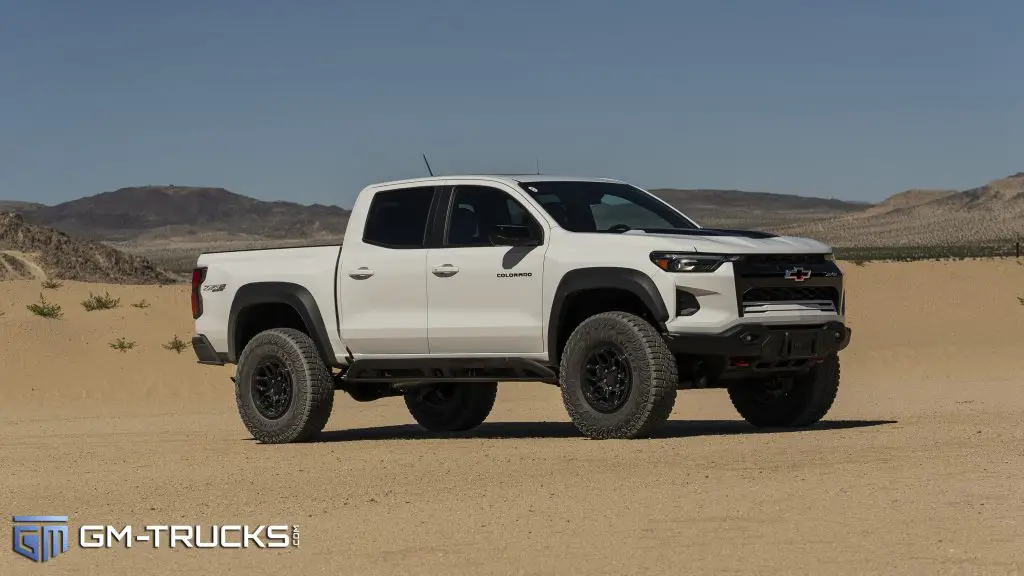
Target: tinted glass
<point>603,207</point>
<point>476,210</point>
<point>398,218</point>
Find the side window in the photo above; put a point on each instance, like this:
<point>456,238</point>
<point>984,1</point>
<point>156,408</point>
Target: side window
<point>398,218</point>
<point>476,210</point>
<point>519,215</point>
<point>554,206</point>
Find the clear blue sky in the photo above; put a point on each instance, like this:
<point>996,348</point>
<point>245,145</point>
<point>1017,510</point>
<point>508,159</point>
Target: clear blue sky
<point>309,100</point>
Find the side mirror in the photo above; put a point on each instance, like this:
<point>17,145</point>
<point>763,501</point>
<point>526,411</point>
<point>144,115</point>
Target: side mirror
<point>510,235</point>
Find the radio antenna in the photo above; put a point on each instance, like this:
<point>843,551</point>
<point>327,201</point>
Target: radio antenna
<point>428,165</point>
<point>538,164</point>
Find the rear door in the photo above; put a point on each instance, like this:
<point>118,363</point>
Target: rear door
<point>484,299</point>
<point>382,276</point>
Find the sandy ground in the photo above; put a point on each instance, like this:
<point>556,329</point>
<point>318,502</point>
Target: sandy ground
<point>918,469</point>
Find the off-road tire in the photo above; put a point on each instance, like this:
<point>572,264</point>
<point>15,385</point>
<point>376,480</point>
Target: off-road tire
<point>807,402</point>
<point>465,406</point>
<point>312,387</point>
<point>653,377</point>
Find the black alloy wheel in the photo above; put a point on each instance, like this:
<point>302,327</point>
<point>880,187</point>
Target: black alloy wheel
<point>272,390</point>
<point>438,396</point>
<point>607,378</point>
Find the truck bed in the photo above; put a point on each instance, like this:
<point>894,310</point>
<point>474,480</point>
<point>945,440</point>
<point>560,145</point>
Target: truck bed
<point>314,268</point>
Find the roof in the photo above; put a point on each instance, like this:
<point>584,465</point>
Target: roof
<point>512,179</point>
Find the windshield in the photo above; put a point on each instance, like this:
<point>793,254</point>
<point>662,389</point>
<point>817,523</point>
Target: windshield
<point>604,207</point>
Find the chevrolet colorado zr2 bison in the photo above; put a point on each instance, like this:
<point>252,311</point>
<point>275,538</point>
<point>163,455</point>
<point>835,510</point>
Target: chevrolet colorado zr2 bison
<point>445,286</point>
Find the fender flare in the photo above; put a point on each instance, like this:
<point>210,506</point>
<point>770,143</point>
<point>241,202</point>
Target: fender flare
<point>575,281</point>
<point>295,296</point>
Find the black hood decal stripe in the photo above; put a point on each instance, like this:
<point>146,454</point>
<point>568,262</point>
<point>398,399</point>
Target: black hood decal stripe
<point>719,232</point>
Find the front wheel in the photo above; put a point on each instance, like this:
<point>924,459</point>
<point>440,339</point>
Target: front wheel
<point>618,377</point>
<point>794,403</point>
<point>451,407</point>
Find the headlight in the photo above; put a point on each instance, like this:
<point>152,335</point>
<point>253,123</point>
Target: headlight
<point>689,261</point>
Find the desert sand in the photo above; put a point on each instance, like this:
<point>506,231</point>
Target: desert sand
<point>918,469</point>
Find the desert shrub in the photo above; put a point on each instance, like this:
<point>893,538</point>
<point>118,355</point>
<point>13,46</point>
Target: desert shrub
<point>122,345</point>
<point>52,284</point>
<point>177,345</point>
<point>97,302</point>
<point>45,309</point>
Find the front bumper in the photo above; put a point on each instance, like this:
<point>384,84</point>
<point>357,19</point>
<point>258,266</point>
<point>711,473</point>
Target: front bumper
<point>205,352</point>
<point>765,342</point>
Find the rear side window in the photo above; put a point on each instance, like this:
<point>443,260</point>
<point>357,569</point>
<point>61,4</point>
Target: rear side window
<point>398,218</point>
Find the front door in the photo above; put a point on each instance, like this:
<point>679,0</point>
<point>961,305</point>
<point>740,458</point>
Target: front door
<point>485,299</point>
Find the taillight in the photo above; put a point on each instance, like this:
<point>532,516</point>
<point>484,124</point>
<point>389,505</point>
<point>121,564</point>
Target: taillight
<point>198,275</point>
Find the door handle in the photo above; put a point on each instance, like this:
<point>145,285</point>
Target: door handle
<point>445,270</point>
<point>361,273</point>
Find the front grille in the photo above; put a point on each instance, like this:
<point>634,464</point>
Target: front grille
<point>763,288</point>
<point>792,294</point>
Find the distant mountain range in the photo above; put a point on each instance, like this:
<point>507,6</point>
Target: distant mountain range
<point>151,213</point>
<point>171,212</point>
<point>992,213</point>
<point>171,225</point>
<point>760,210</point>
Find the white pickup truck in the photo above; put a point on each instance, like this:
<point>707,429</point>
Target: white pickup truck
<point>446,286</point>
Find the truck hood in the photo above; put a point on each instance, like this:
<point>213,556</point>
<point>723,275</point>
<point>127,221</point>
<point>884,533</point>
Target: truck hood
<point>725,241</point>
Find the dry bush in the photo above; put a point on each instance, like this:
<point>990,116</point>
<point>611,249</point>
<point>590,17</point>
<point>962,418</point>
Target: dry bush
<point>122,345</point>
<point>177,345</point>
<point>45,309</point>
<point>96,302</point>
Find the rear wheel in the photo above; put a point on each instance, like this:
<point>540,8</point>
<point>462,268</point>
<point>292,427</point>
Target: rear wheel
<point>618,378</point>
<point>451,407</point>
<point>789,403</point>
<point>283,389</point>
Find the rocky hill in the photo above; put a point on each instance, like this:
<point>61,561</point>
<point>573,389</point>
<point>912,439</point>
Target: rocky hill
<point>992,213</point>
<point>164,212</point>
<point>908,199</point>
<point>18,206</point>
<point>758,210</point>
<point>31,251</point>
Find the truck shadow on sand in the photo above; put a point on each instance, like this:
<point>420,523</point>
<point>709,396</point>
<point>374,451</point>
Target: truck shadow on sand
<point>523,430</point>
